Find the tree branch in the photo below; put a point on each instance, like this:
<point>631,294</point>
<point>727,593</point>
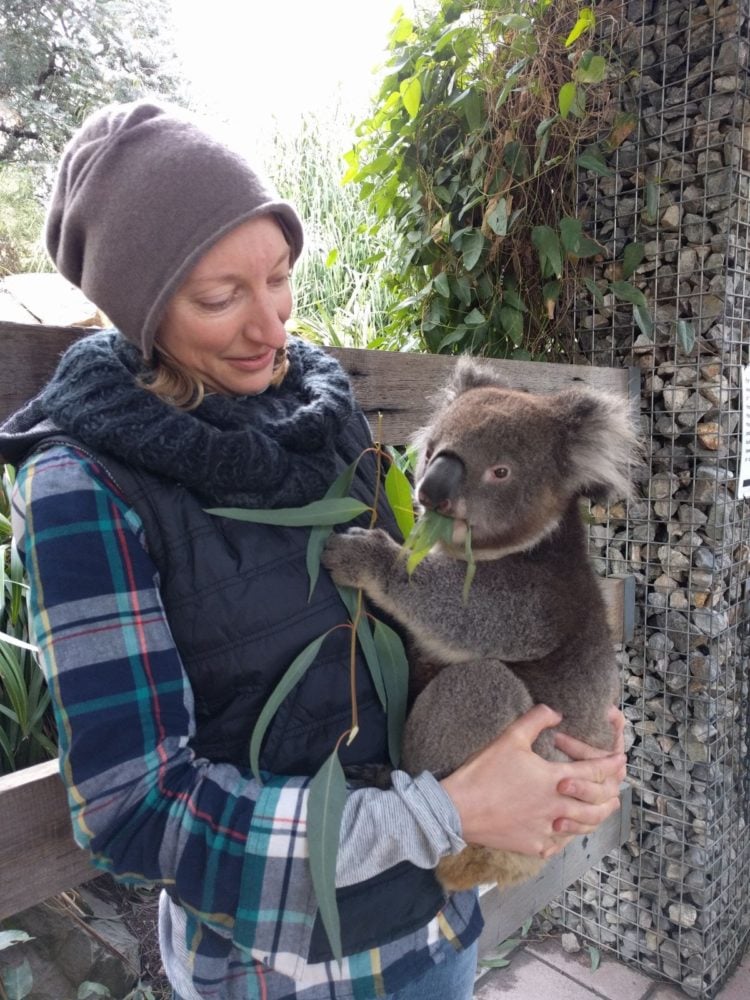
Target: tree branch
<point>17,132</point>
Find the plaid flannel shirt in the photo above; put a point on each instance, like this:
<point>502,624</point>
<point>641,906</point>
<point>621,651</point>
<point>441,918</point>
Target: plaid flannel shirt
<point>233,852</point>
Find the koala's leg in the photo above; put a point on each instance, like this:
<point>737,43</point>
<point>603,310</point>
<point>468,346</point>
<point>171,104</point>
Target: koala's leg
<point>459,712</point>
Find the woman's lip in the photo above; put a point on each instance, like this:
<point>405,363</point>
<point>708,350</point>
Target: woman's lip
<point>252,364</point>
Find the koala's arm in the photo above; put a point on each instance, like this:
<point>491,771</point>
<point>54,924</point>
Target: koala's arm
<point>501,617</point>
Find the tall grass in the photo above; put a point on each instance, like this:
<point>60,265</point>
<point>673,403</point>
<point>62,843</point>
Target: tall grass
<point>21,219</point>
<point>341,287</point>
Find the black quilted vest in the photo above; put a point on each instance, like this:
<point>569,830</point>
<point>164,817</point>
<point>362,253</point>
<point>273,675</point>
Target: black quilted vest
<point>228,587</point>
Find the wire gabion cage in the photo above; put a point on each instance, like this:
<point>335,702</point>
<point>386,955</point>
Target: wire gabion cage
<point>675,900</point>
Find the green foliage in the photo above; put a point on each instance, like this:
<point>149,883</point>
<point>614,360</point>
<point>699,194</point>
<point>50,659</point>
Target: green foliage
<point>326,802</point>
<point>26,729</point>
<point>21,220</point>
<point>341,294</point>
<point>486,115</point>
<point>59,60</point>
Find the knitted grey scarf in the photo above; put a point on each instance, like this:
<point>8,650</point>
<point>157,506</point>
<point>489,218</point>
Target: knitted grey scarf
<point>275,449</point>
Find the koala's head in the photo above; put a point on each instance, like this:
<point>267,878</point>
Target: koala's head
<point>508,463</point>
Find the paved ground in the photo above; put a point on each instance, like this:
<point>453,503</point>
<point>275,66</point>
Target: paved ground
<point>543,971</point>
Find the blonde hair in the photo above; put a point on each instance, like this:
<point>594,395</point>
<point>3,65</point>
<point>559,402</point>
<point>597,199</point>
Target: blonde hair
<point>177,385</point>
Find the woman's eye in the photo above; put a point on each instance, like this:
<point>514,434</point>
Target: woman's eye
<point>280,279</point>
<point>216,305</point>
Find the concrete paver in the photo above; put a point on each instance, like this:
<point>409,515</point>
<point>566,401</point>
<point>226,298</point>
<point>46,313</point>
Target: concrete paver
<point>529,978</point>
<point>543,971</point>
<point>612,979</point>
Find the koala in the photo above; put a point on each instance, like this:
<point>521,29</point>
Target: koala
<point>511,467</point>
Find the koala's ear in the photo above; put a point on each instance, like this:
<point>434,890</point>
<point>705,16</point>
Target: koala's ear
<point>602,446</point>
<point>471,374</point>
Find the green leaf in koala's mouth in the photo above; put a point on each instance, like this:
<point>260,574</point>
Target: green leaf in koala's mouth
<point>429,529</point>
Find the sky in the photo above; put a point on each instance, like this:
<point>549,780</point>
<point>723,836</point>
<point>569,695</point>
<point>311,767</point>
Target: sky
<point>260,64</point>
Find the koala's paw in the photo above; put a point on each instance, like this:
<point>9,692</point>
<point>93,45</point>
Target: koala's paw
<point>357,557</point>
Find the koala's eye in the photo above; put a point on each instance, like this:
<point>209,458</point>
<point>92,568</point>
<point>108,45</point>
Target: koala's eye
<point>497,472</point>
<point>428,454</point>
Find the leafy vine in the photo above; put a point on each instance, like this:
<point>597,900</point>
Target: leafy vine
<point>483,120</point>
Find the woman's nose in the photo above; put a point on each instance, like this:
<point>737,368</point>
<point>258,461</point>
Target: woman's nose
<point>264,323</point>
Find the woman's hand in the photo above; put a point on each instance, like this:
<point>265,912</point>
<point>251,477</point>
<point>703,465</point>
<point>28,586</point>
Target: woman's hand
<point>605,785</point>
<point>508,797</point>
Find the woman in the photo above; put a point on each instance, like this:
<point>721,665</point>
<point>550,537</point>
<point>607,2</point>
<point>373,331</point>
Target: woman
<point>163,628</point>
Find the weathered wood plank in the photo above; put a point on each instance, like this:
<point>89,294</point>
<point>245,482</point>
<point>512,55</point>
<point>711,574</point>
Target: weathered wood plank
<point>398,385</point>
<point>38,855</point>
<point>505,912</point>
<point>28,356</point>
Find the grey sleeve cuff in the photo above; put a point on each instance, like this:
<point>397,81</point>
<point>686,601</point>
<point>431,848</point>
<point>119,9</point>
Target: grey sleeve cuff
<point>414,821</point>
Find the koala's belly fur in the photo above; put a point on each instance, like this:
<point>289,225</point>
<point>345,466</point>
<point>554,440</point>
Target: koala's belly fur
<point>463,706</point>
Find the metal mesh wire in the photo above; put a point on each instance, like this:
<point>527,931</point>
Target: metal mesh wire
<point>676,899</point>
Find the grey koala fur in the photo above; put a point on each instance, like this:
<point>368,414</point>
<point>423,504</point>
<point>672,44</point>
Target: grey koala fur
<point>513,466</point>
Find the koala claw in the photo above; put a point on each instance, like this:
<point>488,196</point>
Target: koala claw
<point>352,557</point>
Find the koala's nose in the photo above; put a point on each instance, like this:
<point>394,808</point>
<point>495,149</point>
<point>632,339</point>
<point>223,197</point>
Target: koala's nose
<point>438,487</point>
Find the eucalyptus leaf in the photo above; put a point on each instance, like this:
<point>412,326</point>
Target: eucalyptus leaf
<point>429,529</point>
<point>8,938</point>
<point>495,963</point>
<point>595,956</point>
<point>643,319</point>
<point>596,292</point>
<point>651,209</point>
<point>89,989</point>
<point>325,808</point>
<point>685,335</point>
<point>293,675</point>
<point>592,158</point>
<point>626,292</point>
<point>319,534</point>
<point>471,566</point>
<point>395,672</point>
<point>17,980</point>
<point>333,511</point>
<point>506,947</point>
<point>350,598</point>
<point>399,494</point>
<point>631,258</point>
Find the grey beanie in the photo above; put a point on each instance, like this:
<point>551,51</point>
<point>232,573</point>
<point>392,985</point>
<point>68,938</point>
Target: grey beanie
<point>140,195</point>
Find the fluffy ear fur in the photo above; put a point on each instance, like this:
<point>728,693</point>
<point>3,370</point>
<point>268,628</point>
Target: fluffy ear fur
<point>602,443</point>
<point>471,374</point>
<point>467,374</point>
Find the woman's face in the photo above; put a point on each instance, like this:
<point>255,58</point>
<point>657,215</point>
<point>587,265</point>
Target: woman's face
<point>226,321</point>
